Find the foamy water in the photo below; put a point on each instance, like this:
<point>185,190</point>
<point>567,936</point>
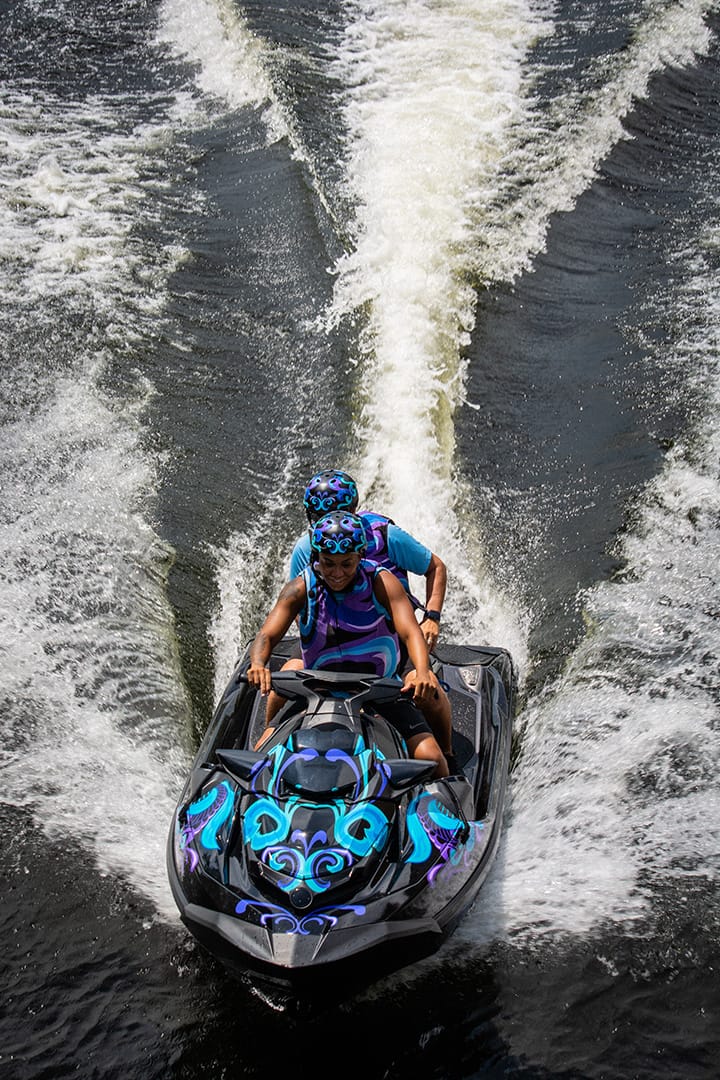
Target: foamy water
<point>94,703</point>
<point>616,790</point>
<point>436,103</point>
<point>230,62</point>
<point>251,570</point>
<point>233,68</point>
<point>73,189</point>
<point>96,719</point>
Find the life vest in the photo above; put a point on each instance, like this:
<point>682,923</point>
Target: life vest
<point>378,551</point>
<point>348,630</point>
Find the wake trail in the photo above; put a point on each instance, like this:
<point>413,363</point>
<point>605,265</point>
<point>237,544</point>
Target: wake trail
<point>455,181</point>
<point>233,66</point>
<point>93,695</point>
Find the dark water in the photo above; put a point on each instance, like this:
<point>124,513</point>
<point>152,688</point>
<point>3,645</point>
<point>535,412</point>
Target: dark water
<point>471,253</point>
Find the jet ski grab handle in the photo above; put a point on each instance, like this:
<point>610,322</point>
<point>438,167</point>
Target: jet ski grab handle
<point>312,686</point>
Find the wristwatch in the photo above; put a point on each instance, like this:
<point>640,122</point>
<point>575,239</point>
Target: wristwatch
<point>434,615</point>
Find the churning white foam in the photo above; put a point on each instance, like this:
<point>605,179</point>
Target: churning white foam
<point>251,569</point>
<point>235,67</point>
<point>231,62</point>
<point>74,188</point>
<point>616,791</point>
<point>431,92</point>
<point>93,696</point>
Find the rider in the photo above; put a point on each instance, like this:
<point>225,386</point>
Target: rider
<point>388,546</point>
<point>353,616</point>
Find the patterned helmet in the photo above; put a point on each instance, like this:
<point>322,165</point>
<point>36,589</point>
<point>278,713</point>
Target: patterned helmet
<point>327,491</point>
<point>339,534</point>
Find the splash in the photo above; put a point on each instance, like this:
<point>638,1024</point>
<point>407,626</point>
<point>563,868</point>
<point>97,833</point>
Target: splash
<point>616,792</point>
<point>93,696</point>
<point>74,187</point>
<point>233,66</point>
<point>432,92</point>
<point>251,569</point>
<point>231,62</point>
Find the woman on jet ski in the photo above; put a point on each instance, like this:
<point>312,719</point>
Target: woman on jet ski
<point>354,615</point>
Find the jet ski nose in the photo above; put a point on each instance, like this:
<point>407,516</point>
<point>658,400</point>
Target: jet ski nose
<point>301,897</point>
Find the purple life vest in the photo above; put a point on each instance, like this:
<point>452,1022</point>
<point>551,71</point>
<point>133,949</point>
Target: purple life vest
<point>378,550</point>
<point>348,630</point>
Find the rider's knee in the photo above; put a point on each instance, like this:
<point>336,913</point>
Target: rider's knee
<point>428,749</point>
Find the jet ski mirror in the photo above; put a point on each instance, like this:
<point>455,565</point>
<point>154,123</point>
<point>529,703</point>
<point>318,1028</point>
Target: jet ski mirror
<point>404,774</point>
<point>241,764</point>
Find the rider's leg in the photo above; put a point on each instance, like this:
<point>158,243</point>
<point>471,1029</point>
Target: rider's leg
<point>439,716</point>
<point>411,724</point>
<point>425,747</point>
<point>275,702</point>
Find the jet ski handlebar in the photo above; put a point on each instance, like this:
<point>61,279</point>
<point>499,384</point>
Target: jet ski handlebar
<point>308,683</point>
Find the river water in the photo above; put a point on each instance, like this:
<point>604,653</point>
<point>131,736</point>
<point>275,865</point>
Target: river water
<point>471,253</point>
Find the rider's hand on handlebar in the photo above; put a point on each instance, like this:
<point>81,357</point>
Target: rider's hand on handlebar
<point>423,686</point>
<point>260,676</point>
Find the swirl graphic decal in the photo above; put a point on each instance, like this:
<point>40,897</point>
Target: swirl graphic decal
<point>432,827</point>
<point>281,920</point>
<point>206,817</point>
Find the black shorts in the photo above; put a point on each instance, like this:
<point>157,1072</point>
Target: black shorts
<point>405,717</point>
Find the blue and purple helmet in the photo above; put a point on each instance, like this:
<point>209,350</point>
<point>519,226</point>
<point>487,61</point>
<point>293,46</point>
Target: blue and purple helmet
<point>328,491</point>
<point>339,534</point>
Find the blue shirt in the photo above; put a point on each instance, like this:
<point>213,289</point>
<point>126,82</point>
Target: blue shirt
<point>404,550</point>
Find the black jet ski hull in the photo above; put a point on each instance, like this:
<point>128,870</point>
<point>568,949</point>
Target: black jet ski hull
<point>272,871</point>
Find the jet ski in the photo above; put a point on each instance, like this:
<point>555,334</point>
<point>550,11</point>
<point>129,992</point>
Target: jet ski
<point>330,846</point>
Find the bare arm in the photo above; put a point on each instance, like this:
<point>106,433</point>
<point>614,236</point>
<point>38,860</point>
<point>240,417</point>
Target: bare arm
<point>391,594</point>
<point>287,607</point>
<point>435,585</point>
